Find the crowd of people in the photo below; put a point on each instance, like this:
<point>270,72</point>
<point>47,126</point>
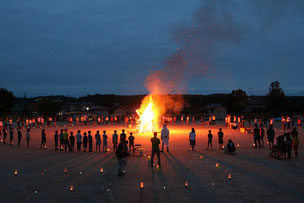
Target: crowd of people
<point>64,140</point>
<point>239,121</point>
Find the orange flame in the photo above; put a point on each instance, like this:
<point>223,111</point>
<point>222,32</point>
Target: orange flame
<point>148,115</point>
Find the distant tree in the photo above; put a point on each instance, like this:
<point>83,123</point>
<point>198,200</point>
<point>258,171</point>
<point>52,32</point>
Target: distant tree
<point>236,101</point>
<point>48,107</point>
<point>7,99</point>
<point>276,99</point>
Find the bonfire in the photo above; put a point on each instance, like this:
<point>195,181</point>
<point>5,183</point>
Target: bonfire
<point>148,115</point>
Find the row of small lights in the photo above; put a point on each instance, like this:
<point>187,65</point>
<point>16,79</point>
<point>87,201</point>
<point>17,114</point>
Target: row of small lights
<point>65,171</point>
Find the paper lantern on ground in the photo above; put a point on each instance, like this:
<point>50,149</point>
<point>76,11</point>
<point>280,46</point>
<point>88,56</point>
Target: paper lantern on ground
<point>141,185</point>
<point>65,170</point>
<point>253,144</point>
<point>229,176</point>
<point>186,184</point>
<point>101,170</point>
<point>16,172</point>
<point>108,149</point>
<point>71,188</point>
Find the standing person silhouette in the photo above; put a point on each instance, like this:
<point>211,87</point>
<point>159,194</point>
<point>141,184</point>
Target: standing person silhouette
<point>131,142</point>
<point>165,137</point>
<point>210,136</point>
<point>256,136</point>
<point>56,136</point>
<point>19,137</point>
<point>85,141</point>
<point>43,140</point>
<point>115,140</point>
<point>66,140</point>
<point>78,140</point>
<point>72,141</point>
<point>221,138</point>
<point>61,140</point>
<point>122,153</point>
<point>192,136</point>
<point>98,141</point>
<point>105,141</point>
<point>270,136</point>
<point>11,132</point>
<point>155,149</point>
<point>90,138</point>
<point>123,135</point>
<point>28,137</point>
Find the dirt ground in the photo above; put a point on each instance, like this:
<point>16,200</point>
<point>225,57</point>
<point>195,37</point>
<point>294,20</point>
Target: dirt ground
<point>254,176</point>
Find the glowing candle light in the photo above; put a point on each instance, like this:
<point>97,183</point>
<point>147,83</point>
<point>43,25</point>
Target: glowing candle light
<point>213,184</point>
<point>101,170</point>
<point>229,176</point>
<point>16,172</point>
<point>238,145</point>
<point>253,144</point>
<point>186,184</point>
<point>42,173</point>
<point>149,158</point>
<point>71,188</point>
<point>164,187</point>
<point>1,140</point>
<point>141,185</point>
<point>65,170</point>
<point>201,157</point>
<point>217,165</point>
<point>108,149</point>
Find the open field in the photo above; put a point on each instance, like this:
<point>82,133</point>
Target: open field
<point>255,177</point>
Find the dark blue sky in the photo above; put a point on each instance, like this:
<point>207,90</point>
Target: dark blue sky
<point>78,47</point>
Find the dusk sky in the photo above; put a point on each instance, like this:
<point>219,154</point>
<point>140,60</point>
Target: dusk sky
<point>78,47</point>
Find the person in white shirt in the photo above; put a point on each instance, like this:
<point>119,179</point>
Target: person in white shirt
<point>165,138</point>
<point>192,136</point>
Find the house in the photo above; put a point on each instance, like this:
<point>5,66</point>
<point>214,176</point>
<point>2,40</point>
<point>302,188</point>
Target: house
<point>121,110</point>
<point>217,109</point>
<point>98,110</point>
